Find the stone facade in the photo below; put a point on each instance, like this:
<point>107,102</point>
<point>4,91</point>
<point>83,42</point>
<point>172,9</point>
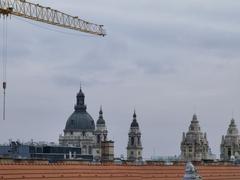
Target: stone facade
<point>194,145</point>
<point>230,145</point>
<point>134,148</point>
<point>107,151</point>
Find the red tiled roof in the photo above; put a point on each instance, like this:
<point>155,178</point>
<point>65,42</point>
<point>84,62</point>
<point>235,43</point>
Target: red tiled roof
<point>112,172</point>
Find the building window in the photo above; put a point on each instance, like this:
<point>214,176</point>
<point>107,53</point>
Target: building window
<point>84,149</point>
<point>71,132</point>
<point>139,153</point>
<point>190,149</point>
<point>132,141</point>
<point>139,142</point>
<point>132,153</point>
<point>98,138</point>
<point>229,152</point>
<point>83,133</point>
<point>98,152</point>
<point>90,150</point>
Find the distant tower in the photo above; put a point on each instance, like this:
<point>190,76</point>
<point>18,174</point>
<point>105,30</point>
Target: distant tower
<point>101,128</point>
<point>101,134</point>
<point>194,145</point>
<point>134,148</point>
<point>230,145</point>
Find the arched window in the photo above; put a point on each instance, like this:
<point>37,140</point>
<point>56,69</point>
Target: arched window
<point>132,141</point>
<point>98,138</point>
<point>139,141</point>
<point>105,137</point>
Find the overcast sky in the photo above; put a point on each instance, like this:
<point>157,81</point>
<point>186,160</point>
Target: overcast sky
<point>166,58</point>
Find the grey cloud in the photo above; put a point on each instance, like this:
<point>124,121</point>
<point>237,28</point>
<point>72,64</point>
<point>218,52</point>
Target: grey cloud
<point>163,57</point>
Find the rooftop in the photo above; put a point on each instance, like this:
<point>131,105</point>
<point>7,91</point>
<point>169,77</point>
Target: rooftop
<point>113,172</point>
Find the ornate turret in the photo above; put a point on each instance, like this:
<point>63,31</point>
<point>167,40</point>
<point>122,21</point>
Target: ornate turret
<point>101,130</point>
<point>100,135</point>
<point>194,126</point>
<point>134,148</point>
<point>134,122</point>
<point>194,145</point>
<point>232,129</point>
<point>230,145</point>
<point>100,118</point>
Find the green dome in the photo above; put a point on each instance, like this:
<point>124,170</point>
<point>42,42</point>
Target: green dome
<point>80,120</point>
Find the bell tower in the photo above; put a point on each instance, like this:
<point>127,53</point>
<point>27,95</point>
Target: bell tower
<point>100,135</point>
<point>134,148</point>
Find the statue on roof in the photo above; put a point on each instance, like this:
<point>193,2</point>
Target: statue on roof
<point>191,172</point>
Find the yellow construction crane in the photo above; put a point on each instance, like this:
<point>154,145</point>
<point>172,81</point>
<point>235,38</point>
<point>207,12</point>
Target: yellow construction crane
<point>47,15</point>
<point>43,14</point>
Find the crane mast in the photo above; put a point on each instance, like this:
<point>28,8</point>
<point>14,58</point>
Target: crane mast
<point>48,15</point>
<point>36,12</point>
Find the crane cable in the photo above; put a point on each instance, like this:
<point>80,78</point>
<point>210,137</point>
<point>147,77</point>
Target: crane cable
<point>4,62</point>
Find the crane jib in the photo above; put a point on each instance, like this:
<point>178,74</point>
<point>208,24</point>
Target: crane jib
<point>48,15</point>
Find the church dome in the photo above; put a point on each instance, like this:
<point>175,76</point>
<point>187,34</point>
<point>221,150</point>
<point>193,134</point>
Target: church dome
<point>80,120</point>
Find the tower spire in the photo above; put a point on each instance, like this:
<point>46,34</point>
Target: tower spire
<point>101,112</point>
<point>80,85</point>
<point>134,148</point>
<point>100,118</point>
<point>80,105</point>
<point>134,123</point>
<point>134,114</point>
<point>194,117</point>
